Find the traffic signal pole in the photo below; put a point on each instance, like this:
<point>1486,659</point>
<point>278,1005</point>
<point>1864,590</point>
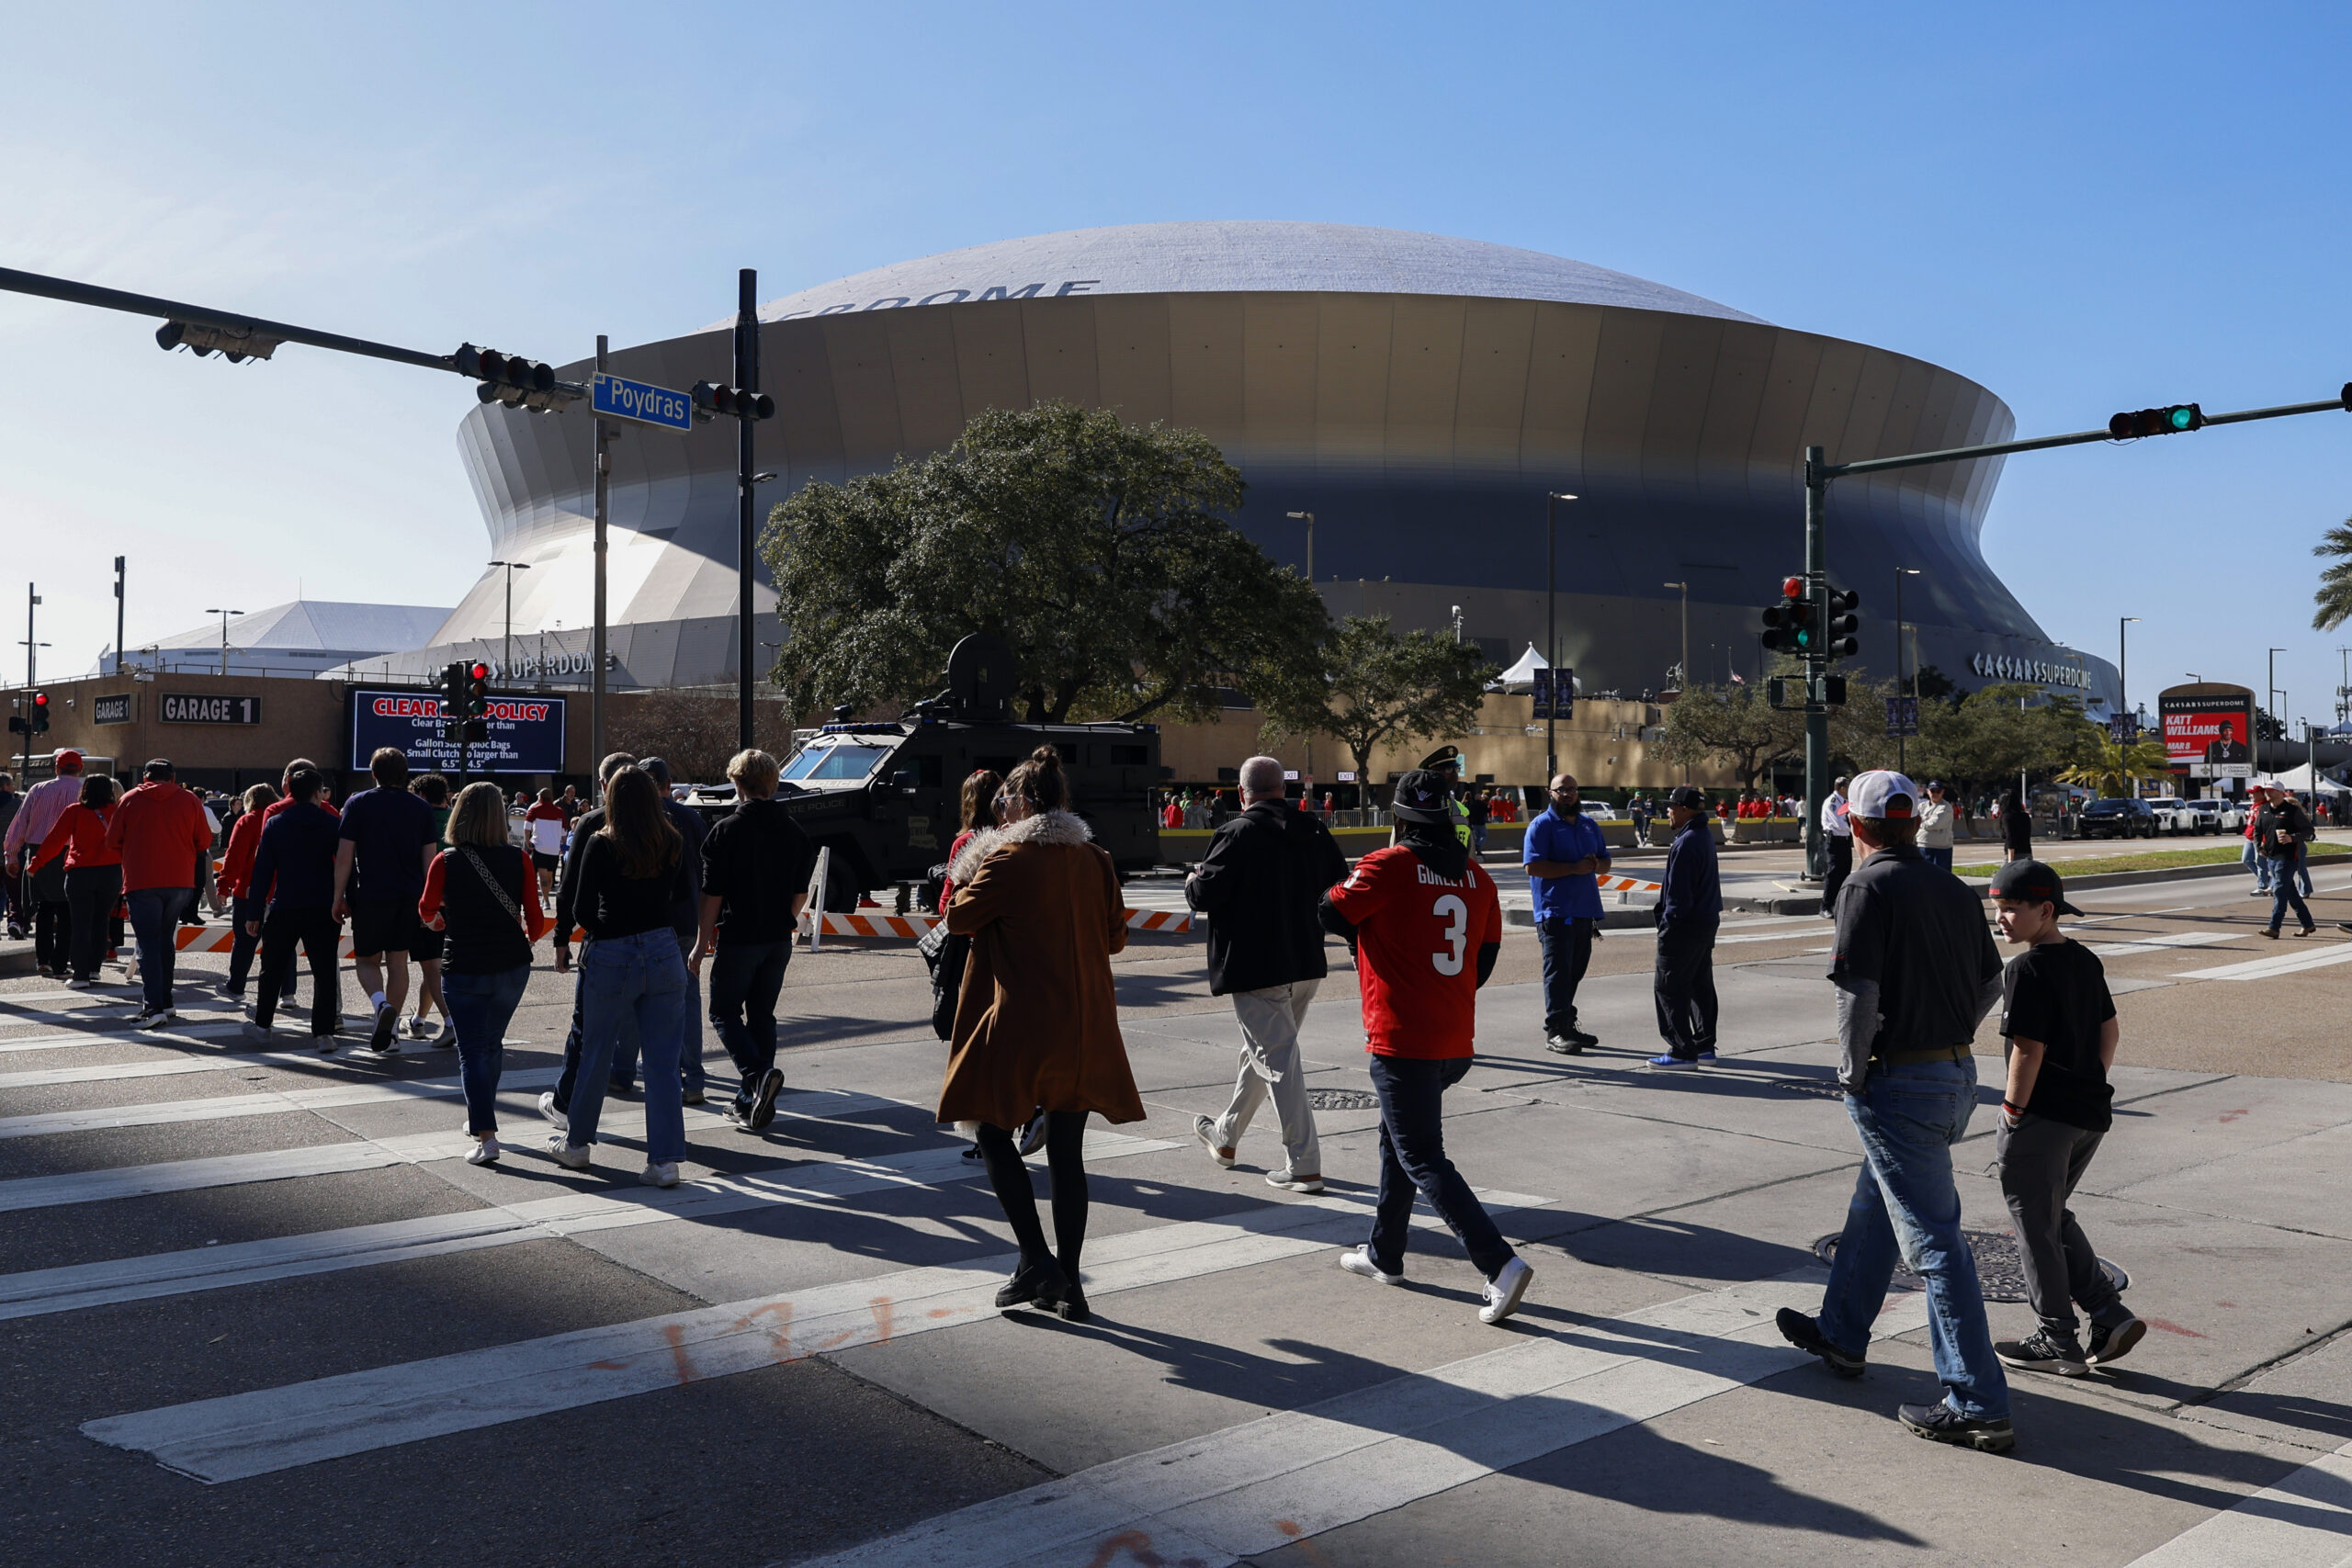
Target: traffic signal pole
<point>2176,420</point>
<point>1817,662</point>
<point>747,377</point>
<point>604,486</point>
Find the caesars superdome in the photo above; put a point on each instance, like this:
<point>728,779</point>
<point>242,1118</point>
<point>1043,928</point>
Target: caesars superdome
<point>1419,395</point>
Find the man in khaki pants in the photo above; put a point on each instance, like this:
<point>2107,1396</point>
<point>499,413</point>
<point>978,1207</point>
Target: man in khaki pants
<point>1259,886</point>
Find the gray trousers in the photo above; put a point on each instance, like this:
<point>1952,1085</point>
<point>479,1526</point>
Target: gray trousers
<point>2040,1162</point>
<point>1269,1023</point>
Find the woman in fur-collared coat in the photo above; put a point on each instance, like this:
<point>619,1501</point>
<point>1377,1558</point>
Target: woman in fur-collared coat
<point>1037,1024</point>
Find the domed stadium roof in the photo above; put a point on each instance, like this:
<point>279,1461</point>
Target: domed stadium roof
<point>1235,257</point>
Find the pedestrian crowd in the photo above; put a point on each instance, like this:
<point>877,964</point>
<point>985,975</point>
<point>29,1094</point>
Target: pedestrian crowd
<point>637,892</point>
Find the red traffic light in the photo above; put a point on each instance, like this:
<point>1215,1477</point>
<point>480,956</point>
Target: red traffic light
<point>480,671</point>
<point>40,699</point>
<point>1793,587</point>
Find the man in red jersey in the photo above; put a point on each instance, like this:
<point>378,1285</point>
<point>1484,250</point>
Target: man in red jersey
<point>1426,926</point>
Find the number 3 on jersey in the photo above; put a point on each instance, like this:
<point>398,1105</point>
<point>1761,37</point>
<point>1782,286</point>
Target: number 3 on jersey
<point>1449,907</point>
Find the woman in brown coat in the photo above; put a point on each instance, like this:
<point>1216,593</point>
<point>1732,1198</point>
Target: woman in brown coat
<point>1036,1025</point>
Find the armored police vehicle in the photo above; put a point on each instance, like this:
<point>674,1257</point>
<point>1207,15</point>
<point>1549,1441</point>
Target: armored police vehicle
<point>886,797</point>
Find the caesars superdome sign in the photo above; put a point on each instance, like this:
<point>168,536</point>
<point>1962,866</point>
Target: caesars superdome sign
<point>2008,667</point>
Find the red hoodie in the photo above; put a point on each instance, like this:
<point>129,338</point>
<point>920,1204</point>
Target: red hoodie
<point>160,831</point>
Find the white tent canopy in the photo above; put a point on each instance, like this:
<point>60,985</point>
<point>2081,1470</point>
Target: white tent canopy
<point>1520,677</point>
<point>2299,781</point>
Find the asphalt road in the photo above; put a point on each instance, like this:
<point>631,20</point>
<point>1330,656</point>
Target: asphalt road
<point>261,1312</point>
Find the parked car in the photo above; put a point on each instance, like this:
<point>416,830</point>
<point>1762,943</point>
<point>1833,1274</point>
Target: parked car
<point>2230,813</point>
<point>2175,814</point>
<point>2118,817</point>
<point>1601,811</point>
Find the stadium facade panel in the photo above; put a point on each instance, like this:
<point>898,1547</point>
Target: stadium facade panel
<point>1420,395</point>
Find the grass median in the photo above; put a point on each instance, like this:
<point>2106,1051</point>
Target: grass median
<point>2157,859</point>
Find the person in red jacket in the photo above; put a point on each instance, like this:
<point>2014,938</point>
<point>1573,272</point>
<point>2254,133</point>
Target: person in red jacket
<point>159,830</point>
<point>93,876</point>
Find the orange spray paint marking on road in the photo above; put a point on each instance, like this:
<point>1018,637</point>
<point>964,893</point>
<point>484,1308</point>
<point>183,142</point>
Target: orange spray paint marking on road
<point>881,1309</point>
<point>676,1336</point>
<point>1135,1543</point>
<point>2172,1327</point>
<point>781,1336</point>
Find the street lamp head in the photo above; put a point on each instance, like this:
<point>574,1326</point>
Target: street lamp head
<point>1684,586</point>
<point>1907,571</point>
<point>1560,495</point>
<point>2131,617</point>
<point>762,479</point>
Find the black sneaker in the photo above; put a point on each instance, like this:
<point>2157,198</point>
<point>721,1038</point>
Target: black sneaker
<point>1032,1137</point>
<point>1805,1335</point>
<point>762,1110</point>
<point>1568,1044</point>
<point>2044,1352</point>
<point>2111,1345</point>
<point>380,1039</point>
<point>1940,1423</point>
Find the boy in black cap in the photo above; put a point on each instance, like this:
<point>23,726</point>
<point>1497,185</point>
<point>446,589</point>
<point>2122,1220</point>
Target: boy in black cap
<point>2060,1029</point>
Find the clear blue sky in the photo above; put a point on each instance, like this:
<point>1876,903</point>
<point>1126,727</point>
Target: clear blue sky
<point>2084,208</point>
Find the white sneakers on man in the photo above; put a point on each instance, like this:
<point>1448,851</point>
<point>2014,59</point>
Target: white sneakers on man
<point>1359,1264</point>
<point>1504,1290</point>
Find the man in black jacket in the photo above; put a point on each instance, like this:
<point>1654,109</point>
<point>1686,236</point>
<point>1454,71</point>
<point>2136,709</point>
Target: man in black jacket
<point>755,869</point>
<point>1259,886</point>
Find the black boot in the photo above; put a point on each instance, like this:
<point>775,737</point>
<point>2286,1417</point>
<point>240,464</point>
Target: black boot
<point>1041,1282</point>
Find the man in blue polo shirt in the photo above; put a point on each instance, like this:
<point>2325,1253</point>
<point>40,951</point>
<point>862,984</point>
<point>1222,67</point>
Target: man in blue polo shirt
<point>1564,851</point>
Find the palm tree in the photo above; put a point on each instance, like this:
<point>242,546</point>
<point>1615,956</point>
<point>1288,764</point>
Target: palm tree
<point>2117,766</point>
<point>2335,596</point>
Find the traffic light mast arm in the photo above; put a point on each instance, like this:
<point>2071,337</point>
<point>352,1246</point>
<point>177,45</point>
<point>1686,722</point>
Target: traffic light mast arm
<point>253,327</point>
<point>2340,403</point>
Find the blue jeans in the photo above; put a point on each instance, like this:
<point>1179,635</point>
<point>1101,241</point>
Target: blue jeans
<point>481,1006</point>
<point>155,916</point>
<point>745,980</point>
<point>1412,1160</point>
<point>1908,1118</point>
<point>2255,863</point>
<point>636,978</point>
<point>2286,872</point>
<point>690,1068</point>
<point>1941,857</point>
<point>1568,951</point>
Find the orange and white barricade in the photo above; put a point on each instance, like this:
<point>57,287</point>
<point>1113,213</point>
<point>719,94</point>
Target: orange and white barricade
<point>912,927</point>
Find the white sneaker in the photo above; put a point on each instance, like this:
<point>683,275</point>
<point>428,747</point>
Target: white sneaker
<point>1504,1290</point>
<point>77,985</point>
<point>157,1019</point>
<point>1359,1262</point>
<point>260,1035</point>
<point>563,1154</point>
<point>1289,1182</point>
<point>484,1152</point>
<point>548,1110</point>
<point>664,1174</point>
<point>417,1029</point>
<point>1204,1129</point>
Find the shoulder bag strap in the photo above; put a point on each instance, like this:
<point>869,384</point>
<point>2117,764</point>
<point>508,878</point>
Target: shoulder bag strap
<point>497,888</point>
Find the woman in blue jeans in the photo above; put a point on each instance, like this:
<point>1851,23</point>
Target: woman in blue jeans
<point>632,876</point>
<point>478,892</point>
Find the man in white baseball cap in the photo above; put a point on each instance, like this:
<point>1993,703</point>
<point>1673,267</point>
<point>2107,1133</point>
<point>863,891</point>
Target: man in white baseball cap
<point>1915,970</point>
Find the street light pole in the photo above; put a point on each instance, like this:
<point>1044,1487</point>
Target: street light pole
<point>224,615</point>
<point>2270,696</point>
<point>1552,631</point>
<point>598,639</point>
<point>2123,663</point>
<point>1682,677</point>
<point>1900,573</point>
<point>1310,518</point>
<point>506,666</point>
<point>747,377</point>
<point>117,614</point>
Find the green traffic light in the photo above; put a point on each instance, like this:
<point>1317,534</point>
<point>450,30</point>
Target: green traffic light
<point>2181,419</point>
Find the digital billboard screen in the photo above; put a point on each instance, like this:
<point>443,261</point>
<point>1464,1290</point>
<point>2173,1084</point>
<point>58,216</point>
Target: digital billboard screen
<point>2208,731</point>
<point>525,732</point>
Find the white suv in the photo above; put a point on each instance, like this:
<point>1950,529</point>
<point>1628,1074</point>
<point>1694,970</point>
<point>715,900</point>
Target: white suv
<point>2175,814</point>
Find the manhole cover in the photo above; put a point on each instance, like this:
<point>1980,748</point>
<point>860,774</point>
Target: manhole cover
<point>2000,1272</point>
<point>1342,1100</point>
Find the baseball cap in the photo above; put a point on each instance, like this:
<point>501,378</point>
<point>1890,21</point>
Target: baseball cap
<point>1881,792</point>
<point>66,754</point>
<point>1420,797</point>
<point>1687,796</point>
<point>2030,882</point>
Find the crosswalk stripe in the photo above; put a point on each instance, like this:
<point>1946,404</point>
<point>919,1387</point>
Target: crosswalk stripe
<point>1262,1486</point>
<point>262,1102</point>
<point>190,1034</point>
<point>2302,1522</point>
<point>2278,964</point>
<point>2159,943</point>
<point>347,1049</point>
<point>273,1429</point>
<point>820,1184</point>
<point>315,1160</point>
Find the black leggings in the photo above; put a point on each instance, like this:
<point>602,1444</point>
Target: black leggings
<point>1009,1174</point>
